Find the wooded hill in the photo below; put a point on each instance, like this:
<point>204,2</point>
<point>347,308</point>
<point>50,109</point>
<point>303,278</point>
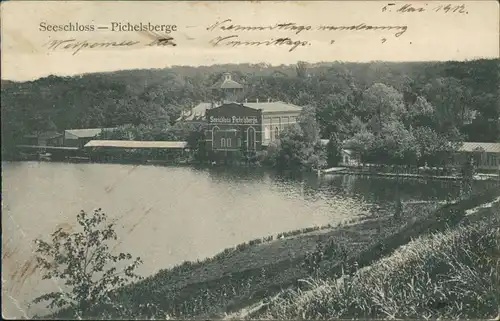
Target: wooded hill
<point>448,100</point>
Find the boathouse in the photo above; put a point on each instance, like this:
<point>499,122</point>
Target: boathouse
<point>486,156</point>
<point>143,151</point>
<point>80,137</point>
<point>348,156</point>
<point>48,138</point>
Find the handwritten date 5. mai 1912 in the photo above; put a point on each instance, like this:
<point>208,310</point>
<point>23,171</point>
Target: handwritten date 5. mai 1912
<point>76,46</point>
<point>425,7</point>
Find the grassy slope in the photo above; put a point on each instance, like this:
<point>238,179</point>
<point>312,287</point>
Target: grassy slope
<point>452,272</point>
<point>239,278</point>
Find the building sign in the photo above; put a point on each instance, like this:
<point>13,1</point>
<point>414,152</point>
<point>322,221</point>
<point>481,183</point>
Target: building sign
<point>246,120</point>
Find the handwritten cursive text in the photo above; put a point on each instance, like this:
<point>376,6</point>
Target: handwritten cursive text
<point>364,27</point>
<point>76,46</point>
<point>288,26</point>
<point>230,41</point>
<point>227,25</point>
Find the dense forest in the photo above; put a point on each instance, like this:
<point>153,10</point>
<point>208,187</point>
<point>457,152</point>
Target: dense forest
<point>385,109</point>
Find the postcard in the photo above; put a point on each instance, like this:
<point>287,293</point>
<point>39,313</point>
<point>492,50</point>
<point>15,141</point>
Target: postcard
<point>250,159</point>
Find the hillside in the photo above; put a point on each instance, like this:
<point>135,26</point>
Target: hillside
<point>451,274</point>
<point>263,278</point>
<point>460,96</point>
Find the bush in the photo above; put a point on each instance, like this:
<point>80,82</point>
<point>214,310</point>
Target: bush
<point>83,262</point>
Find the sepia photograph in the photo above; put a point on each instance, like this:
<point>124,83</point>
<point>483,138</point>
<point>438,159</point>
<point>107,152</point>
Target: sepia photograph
<point>237,160</point>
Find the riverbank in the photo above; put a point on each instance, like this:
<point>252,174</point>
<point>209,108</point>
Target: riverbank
<point>246,275</point>
<point>452,273</point>
<point>395,173</point>
<point>350,171</point>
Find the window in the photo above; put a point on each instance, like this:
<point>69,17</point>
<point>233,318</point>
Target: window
<point>214,134</point>
<point>222,142</point>
<point>251,138</point>
<point>267,133</point>
<point>276,132</point>
<point>239,142</point>
<point>228,142</point>
<point>493,161</point>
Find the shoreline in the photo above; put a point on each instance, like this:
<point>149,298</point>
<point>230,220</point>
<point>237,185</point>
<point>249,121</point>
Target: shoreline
<point>335,171</point>
<point>347,171</point>
<point>253,270</point>
<point>245,277</point>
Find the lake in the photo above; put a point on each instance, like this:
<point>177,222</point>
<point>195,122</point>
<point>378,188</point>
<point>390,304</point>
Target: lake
<point>167,215</point>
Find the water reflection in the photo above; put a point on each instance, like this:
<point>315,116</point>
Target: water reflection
<point>381,189</point>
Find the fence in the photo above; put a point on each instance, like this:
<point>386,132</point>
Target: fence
<point>406,170</point>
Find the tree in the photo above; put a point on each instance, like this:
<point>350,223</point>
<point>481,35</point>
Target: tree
<point>301,69</point>
<point>435,149</point>
<point>296,151</point>
<point>300,145</point>
<point>291,148</point>
<point>334,150</point>
<point>420,111</point>
<point>396,145</point>
<point>468,172</point>
<point>334,114</point>
<point>447,94</point>
<point>382,103</point>
<point>84,262</point>
<point>308,124</point>
<point>193,134</point>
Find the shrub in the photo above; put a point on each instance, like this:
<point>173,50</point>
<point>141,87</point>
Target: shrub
<point>83,262</point>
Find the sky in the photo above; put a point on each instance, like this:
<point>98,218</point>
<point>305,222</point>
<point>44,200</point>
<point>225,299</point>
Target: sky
<point>470,32</point>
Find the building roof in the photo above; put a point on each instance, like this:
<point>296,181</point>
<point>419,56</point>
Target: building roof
<point>47,147</point>
<point>482,147</point>
<point>49,135</point>
<point>196,113</point>
<point>227,83</point>
<point>87,132</point>
<point>136,144</point>
<point>273,106</point>
<point>45,135</point>
<point>230,84</point>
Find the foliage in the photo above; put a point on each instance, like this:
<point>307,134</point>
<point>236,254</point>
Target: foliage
<point>363,143</point>
<point>85,264</point>
<point>333,151</point>
<point>299,146</point>
<point>381,104</point>
<point>137,132</point>
<point>452,101</point>
<point>453,274</point>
